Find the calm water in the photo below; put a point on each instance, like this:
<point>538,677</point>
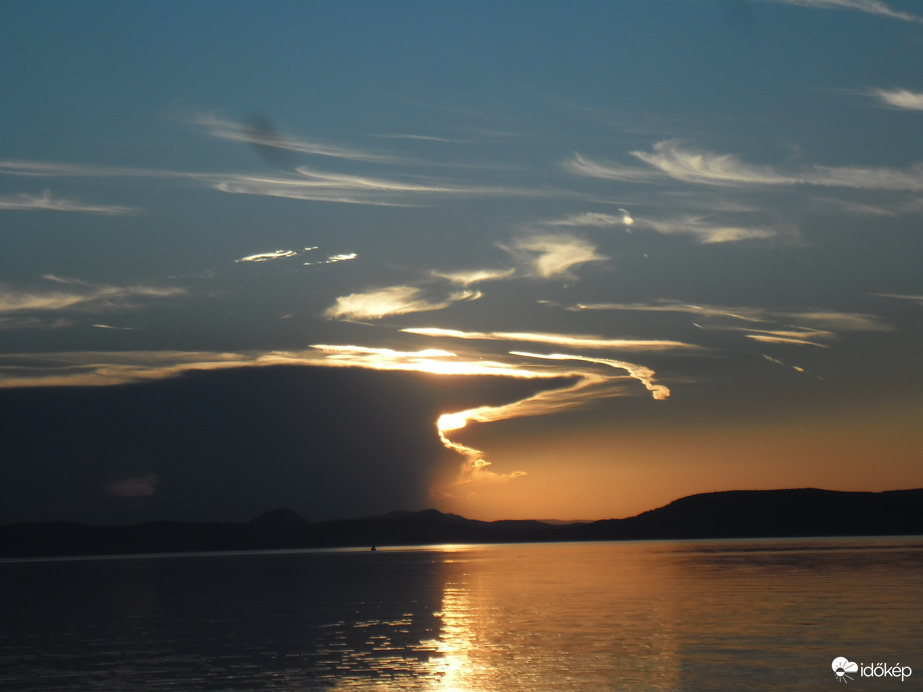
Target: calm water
<point>704,615</point>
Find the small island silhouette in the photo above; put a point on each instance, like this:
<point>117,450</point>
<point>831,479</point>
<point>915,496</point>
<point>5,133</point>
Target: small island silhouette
<point>800,512</point>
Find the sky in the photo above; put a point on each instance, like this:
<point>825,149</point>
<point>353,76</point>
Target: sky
<point>507,260</point>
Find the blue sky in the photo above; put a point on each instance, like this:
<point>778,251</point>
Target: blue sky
<point>689,230</point>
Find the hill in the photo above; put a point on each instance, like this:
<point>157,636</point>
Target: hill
<point>732,514</point>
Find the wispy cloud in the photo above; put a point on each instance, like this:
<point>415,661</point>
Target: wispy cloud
<point>268,256</point>
<point>286,254</point>
<point>393,300</point>
<point>32,322</point>
<point>425,138</point>
<point>918,299</point>
<point>580,165</point>
<point>672,159</point>
<point>643,374</point>
<point>320,186</point>
<point>569,340</point>
<point>772,339</point>
<point>80,296</point>
<point>257,131</point>
<point>119,329</point>
<point>901,98</point>
<point>303,183</point>
<point>763,324</point>
<point>47,202</point>
<point>706,230</point>
<point>876,7</point>
<point>593,220</point>
<point>333,259</point>
<point>474,276</point>
<point>553,256</point>
<point>54,169</point>
<point>782,363</point>
<point>838,321</point>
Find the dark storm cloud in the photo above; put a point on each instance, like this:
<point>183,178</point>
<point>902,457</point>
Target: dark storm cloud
<point>228,445</point>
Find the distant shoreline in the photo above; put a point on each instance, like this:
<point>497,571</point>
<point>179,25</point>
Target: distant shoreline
<point>744,514</point>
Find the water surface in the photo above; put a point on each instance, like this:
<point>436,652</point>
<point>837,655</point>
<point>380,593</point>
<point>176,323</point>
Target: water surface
<point>684,615</point>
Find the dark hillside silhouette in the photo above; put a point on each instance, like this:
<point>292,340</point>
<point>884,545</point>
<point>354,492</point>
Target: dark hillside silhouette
<point>733,514</point>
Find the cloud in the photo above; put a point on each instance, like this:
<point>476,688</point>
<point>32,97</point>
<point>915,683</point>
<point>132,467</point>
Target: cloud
<point>79,295</point>
<point>474,276</point>
<point>30,322</point>
<point>839,321</point>
<point>705,230</point>
<point>393,300</point>
<point>434,361</point>
<point>772,339</point>
<point>579,165</point>
<point>672,159</point>
<point>719,169</point>
<point>796,368</point>
<point>876,7</point>
<point>142,486</point>
<point>900,296</point>
<point>106,368</point>
<point>749,314</point>
<point>706,168</point>
<point>568,385</point>
<point>47,202</point>
<point>320,186</point>
<point>426,138</point>
<point>571,341</point>
<point>901,98</point>
<point>594,220</point>
<point>333,259</point>
<point>260,133</point>
<point>812,324</point>
<point>302,184</point>
<point>588,385</point>
<point>550,256</point>
<point>285,254</point>
<point>643,374</point>
<point>267,256</point>
<point>52,169</point>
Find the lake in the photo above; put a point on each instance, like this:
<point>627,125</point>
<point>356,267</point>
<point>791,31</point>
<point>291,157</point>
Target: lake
<point>658,615</point>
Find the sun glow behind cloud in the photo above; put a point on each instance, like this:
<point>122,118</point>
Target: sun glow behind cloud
<point>581,384</point>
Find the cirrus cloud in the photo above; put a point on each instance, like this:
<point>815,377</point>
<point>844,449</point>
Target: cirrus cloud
<point>901,98</point>
<point>672,159</point>
<point>550,256</point>
<point>47,202</point>
<point>392,300</point>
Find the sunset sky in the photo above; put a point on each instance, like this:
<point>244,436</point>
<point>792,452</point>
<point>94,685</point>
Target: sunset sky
<point>504,259</point>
